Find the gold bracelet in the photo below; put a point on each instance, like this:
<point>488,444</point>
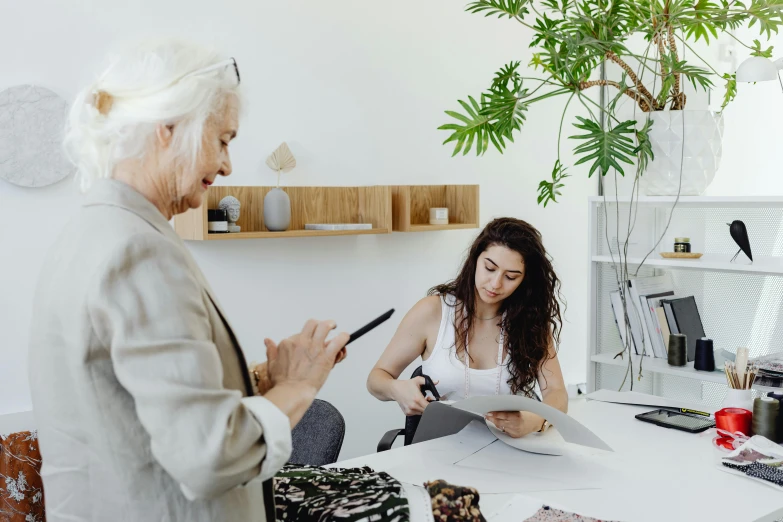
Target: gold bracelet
<point>256,379</point>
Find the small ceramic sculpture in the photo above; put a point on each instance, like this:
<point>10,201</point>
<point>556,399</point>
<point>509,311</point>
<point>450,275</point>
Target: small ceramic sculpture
<point>231,205</point>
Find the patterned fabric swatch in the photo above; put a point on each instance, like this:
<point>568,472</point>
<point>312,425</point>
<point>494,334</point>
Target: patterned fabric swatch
<point>760,471</point>
<point>21,487</point>
<point>308,493</point>
<point>454,503</point>
<point>548,514</point>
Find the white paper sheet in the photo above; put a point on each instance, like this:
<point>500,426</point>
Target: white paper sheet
<point>644,399</point>
<point>484,480</point>
<point>579,468</point>
<point>512,508</point>
<point>571,430</point>
<point>440,460</point>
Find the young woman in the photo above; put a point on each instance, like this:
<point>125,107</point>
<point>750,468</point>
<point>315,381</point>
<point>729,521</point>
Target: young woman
<point>495,329</point>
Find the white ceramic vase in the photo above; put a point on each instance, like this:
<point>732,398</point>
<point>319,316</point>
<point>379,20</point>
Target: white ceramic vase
<point>277,210</point>
<point>738,399</point>
<point>687,142</point>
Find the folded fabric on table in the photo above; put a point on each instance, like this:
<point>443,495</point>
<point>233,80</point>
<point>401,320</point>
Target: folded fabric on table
<point>759,459</point>
<point>305,493</point>
<point>309,493</point>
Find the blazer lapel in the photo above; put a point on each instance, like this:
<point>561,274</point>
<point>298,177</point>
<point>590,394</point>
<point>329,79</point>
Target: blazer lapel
<point>116,193</point>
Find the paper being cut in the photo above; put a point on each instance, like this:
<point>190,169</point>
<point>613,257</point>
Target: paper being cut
<point>570,430</point>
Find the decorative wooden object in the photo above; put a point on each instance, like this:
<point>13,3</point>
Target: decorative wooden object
<point>308,205</point>
<point>681,255</point>
<point>412,203</point>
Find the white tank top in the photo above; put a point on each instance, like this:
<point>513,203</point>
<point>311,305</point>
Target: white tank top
<point>443,365</point>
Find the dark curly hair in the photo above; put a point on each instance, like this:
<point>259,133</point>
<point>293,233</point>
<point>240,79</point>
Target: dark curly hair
<point>533,317</point>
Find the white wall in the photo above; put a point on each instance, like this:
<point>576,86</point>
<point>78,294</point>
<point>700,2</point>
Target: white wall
<point>358,91</point>
<point>752,135</point>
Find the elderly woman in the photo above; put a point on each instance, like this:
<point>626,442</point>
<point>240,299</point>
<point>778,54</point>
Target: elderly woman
<point>146,407</point>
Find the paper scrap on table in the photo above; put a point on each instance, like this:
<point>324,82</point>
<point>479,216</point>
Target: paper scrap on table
<point>643,399</point>
<point>438,463</point>
<point>485,481</point>
<point>569,428</point>
<point>511,509</point>
<point>579,467</point>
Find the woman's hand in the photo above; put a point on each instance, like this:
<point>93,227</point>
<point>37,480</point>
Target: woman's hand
<point>516,424</point>
<point>261,374</point>
<point>305,359</point>
<point>407,394</point>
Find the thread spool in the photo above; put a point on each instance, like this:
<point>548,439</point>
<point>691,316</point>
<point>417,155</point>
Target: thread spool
<point>775,395</point>
<point>779,398</point>
<point>734,420</point>
<point>678,349</point>
<point>765,417</point>
<point>705,356</point>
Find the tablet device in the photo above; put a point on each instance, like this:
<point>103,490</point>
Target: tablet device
<point>678,421</point>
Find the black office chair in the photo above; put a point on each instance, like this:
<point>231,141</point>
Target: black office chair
<point>411,424</point>
<point>318,438</point>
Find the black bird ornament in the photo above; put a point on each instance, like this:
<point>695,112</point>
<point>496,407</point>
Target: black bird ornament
<point>740,236</point>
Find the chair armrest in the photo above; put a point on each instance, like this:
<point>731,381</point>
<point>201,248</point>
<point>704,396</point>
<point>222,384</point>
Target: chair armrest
<point>388,439</point>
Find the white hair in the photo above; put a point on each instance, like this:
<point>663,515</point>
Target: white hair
<point>145,86</point>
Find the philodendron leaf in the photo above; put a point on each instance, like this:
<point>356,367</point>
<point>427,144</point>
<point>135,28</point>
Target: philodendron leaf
<point>731,89</point>
<point>475,128</point>
<point>548,190</point>
<point>644,152</point>
<point>500,8</point>
<point>606,148</point>
<point>758,51</point>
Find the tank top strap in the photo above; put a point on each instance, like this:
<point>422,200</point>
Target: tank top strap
<point>446,322</point>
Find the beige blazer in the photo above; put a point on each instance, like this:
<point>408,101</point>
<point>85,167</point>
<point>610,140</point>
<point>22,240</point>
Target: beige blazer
<point>140,389</point>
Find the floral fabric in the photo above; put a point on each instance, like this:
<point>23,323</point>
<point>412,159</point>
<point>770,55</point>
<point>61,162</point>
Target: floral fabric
<point>454,503</point>
<point>549,514</point>
<point>21,488</point>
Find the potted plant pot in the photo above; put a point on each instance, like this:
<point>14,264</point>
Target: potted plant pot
<point>687,146</point>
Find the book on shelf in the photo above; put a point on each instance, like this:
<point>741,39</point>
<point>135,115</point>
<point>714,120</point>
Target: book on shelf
<point>664,325</point>
<point>687,320</point>
<point>640,289</point>
<point>654,312</point>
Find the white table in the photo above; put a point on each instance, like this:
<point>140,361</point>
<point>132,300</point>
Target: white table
<point>661,474</point>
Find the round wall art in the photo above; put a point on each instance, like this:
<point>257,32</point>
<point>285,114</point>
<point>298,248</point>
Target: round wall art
<point>32,120</point>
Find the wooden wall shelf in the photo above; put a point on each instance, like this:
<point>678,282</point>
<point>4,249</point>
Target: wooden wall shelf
<point>308,205</point>
<point>411,206</point>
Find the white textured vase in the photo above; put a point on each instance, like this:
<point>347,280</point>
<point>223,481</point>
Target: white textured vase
<point>683,142</point>
<point>738,399</point>
<point>277,210</point>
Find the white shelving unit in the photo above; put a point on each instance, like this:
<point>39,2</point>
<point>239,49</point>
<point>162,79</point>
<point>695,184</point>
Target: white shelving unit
<point>741,303</point>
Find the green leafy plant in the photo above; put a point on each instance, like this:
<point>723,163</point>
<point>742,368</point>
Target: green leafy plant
<point>572,38</point>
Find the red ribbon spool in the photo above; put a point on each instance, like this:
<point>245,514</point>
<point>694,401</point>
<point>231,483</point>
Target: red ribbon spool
<point>734,420</point>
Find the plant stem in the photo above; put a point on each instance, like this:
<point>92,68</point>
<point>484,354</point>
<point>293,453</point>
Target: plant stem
<point>278,179</point>
<point>548,95</point>
<point>641,89</point>
<point>678,102</point>
<point>562,119</point>
<point>638,98</point>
